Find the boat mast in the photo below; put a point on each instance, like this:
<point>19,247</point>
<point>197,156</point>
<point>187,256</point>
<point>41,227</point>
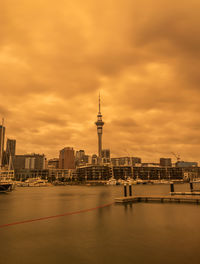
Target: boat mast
<point>1,150</point>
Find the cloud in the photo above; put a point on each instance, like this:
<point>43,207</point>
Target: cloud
<point>142,55</point>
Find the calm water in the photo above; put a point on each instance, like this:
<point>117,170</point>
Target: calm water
<point>141,233</point>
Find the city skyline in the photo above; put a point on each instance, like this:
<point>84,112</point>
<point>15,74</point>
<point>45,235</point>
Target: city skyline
<point>143,56</point>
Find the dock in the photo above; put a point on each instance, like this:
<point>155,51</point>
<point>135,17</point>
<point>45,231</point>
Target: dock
<point>185,193</point>
<point>158,198</point>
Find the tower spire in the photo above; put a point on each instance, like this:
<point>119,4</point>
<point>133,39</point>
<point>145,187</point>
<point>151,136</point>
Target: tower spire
<point>99,103</point>
<point>99,123</point>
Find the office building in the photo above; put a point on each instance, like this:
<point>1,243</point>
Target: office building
<point>125,161</point>
<point>106,153</point>
<point>9,154</point>
<point>29,162</point>
<point>53,163</point>
<point>165,162</point>
<point>186,164</point>
<point>67,158</point>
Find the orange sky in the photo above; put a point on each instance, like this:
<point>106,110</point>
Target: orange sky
<point>144,56</point>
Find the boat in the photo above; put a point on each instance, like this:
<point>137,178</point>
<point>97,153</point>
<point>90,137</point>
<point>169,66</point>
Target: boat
<point>130,181</point>
<point>6,180</point>
<point>112,181</point>
<point>5,187</point>
<point>35,182</point>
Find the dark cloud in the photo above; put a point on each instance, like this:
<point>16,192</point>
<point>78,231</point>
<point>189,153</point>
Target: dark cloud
<point>142,55</point>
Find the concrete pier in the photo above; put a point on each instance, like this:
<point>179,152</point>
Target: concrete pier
<point>185,193</point>
<point>158,198</point>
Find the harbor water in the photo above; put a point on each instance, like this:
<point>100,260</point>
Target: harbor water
<point>133,233</point>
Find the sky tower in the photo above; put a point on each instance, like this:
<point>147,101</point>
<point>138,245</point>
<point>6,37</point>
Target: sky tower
<point>99,125</point>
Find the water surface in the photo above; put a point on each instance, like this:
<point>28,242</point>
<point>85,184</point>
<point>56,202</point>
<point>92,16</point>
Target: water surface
<point>137,233</point>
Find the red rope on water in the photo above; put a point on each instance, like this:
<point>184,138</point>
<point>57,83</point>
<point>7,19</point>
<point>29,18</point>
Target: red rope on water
<point>55,216</point>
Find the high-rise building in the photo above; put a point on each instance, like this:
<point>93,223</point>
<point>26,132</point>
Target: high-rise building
<point>80,154</point>
<point>11,147</point>
<point>67,158</point>
<point>9,153</point>
<point>53,163</point>
<point>94,159</point>
<point>105,153</point>
<point>99,125</point>
<point>29,161</point>
<point>2,139</point>
<point>105,156</point>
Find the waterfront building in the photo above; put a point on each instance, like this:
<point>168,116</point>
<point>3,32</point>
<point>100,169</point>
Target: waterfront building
<point>147,173</point>
<point>9,154</point>
<point>165,162</point>
<point>67,158</point>
<point>94,172</point>
<point>186,164</point>
<point>87,159</point>
<point>95,159</point>
<point>148,164</point>
<point>80,154</point>
<point>61,175</point>
<point>29,162</point>
<point>99,123</point>
<point>136,160</point>
<point>53,163</point>
<point>24,174</point>
<point>79,159</point>
<point>125,161</point>
<point>106,153</point>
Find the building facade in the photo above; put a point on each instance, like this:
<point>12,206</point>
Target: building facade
<point>67,158</point>
<point>29,162</point>
<point>53,163</point>
<point>165,162</point>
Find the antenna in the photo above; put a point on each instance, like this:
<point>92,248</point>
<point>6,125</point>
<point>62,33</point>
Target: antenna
<point>99,102</point>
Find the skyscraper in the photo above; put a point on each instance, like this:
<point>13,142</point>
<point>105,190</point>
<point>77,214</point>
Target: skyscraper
<point>11,147</point>
<point>2,139</point>
<point>9,153</point>
<point>105,153</point>
<point>67,158</point>
<point>99,125</point>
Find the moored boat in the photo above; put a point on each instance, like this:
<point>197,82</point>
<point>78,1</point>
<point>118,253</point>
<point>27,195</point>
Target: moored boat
<point>5,187</point>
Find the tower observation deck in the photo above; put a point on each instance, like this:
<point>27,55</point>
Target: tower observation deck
<point>99,123</point>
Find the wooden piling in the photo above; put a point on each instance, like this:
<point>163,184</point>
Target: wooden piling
<point>130,190</point>
<point>172,187</point>
<point>125,190</point>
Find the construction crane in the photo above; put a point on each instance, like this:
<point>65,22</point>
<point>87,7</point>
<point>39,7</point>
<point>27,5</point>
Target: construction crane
<point>177,156</point>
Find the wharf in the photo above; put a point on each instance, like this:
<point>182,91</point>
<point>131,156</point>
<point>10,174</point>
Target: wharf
<point>157,198</point>
<point>185,193</point>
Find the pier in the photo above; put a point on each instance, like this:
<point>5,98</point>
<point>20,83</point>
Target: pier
<point>158,198</point>
<point>174,197</point>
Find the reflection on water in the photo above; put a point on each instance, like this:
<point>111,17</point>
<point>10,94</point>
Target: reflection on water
<point>132,233</point>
